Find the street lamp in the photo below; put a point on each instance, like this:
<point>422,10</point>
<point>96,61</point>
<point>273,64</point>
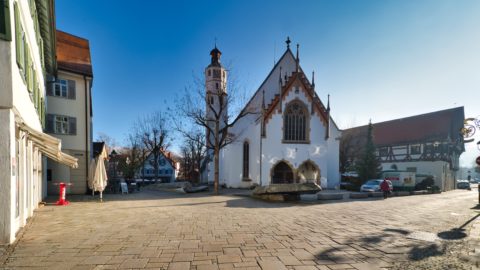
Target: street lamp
<point>113,156</point>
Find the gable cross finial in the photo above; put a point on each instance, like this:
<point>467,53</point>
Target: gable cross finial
<point>288,42</point>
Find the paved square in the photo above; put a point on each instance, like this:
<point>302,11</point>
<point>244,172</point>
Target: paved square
<point>158,230</point>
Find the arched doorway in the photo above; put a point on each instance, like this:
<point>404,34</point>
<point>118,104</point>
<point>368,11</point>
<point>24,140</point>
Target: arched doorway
<point>282,173</point>
<point>308,172</point>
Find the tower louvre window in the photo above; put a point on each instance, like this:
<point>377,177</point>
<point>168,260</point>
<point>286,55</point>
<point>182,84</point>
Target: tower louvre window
<point>216,85</point>
<point>216,74</point>
<point>209,72</point>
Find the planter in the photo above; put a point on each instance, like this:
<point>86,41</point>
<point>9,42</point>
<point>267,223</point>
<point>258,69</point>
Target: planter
<point>358,195</point>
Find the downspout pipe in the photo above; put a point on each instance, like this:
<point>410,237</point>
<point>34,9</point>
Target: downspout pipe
<point>87,163</point>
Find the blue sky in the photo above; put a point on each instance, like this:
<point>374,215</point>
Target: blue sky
<point>379,60</point>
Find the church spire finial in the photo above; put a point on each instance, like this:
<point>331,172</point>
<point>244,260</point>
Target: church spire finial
<point>328,103</point>
<point>298,59</point>
<point>298,46</point>
<point>280,76</point>
<point>313,79</point>
<point>288,42</point>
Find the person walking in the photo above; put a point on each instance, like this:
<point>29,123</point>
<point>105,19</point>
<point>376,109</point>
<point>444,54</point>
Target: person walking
<point>385,187</point>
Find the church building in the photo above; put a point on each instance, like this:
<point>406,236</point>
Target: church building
<point>287,136</point>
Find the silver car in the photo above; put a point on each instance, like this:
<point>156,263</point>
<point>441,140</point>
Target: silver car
<point>374,185</point>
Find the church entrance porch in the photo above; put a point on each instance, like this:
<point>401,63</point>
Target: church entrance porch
<point>282,173</point>
<point>308,172</point>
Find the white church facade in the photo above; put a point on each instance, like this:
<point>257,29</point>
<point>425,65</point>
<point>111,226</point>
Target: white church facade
<point>288,136</point>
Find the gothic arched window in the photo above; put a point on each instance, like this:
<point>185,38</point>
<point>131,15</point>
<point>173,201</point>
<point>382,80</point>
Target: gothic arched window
<point>246,159</point>
<point>295,122</point>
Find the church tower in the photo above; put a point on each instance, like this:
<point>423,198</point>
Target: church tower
<point>216,90</point>
<point>216,101</point>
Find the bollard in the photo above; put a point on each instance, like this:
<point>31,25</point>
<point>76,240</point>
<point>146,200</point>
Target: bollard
<point>62,194</point>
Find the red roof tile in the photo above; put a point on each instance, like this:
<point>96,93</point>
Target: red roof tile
<point>436,126</point>
<point>73,54</point>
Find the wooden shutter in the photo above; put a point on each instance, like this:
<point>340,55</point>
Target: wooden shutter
<point>71,89</point>
<point>72,125</point>
<point>42,111</point>
<point>5,20</point>
<point>50,122</point>
<point>18,35</point>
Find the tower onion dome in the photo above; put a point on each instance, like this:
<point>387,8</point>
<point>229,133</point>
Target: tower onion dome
<point>215,54</point>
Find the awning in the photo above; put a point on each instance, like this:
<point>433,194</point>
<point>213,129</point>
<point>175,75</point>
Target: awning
<point>49,146</point>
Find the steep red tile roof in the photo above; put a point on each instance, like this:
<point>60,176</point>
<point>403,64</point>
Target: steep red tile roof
<point>435,126</point>
<point>73,54</point>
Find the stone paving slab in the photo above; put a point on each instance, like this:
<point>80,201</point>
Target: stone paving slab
<point>199,231</point>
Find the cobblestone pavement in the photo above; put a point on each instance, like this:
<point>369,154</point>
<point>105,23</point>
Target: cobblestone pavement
<point>198,231</point>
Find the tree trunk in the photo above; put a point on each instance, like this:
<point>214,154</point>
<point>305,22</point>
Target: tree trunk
<point>155,166</point>
<point>216,158</point>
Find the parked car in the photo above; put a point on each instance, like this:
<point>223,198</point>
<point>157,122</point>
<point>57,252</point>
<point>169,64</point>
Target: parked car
<point>463,184</point>
<point>374,185</point>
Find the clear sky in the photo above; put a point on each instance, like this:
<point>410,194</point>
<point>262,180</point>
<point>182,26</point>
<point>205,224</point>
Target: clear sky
<point>379,60</point>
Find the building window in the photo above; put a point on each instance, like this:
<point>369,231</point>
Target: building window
<point>216,85</point>
<point>295,120</point>
<point>415,149</point>
<point>246,151</point>
<point>161,162</point>
<point>211,100</point>
<point>209,73</point>
<point>61,88</point>
<point>216,74</point>
<point>61,124</point>
<point>5,20</point>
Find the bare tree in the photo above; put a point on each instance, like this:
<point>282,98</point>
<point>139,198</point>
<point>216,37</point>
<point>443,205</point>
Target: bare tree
<point>153,132</point>
<point>194,151</point>
<point>192,107</point>
<point>110,142</point>
<point>134,158</point>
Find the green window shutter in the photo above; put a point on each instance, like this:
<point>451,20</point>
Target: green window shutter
<point>26,59</point>
<point>5,20</point>
<point>18,36</point>
<point>42,112</point>
<point>42,57</point>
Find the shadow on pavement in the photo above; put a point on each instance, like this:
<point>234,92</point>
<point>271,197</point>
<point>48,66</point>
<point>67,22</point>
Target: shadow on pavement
<point>421,252</point>
<point>457,233</point>
<point>385,243</point>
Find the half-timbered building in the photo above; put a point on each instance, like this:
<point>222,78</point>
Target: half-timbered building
<point>429,144</point>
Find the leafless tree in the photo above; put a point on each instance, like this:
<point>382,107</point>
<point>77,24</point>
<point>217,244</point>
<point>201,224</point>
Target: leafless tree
<point>134,154</point>
<point>194,151</point>
<point>191,108</point>
<point>110,142</point>
<point>350,148</point>
<point>153,132</point>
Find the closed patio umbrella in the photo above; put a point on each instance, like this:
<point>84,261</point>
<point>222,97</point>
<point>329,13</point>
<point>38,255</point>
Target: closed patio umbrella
<point>97,180</point>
